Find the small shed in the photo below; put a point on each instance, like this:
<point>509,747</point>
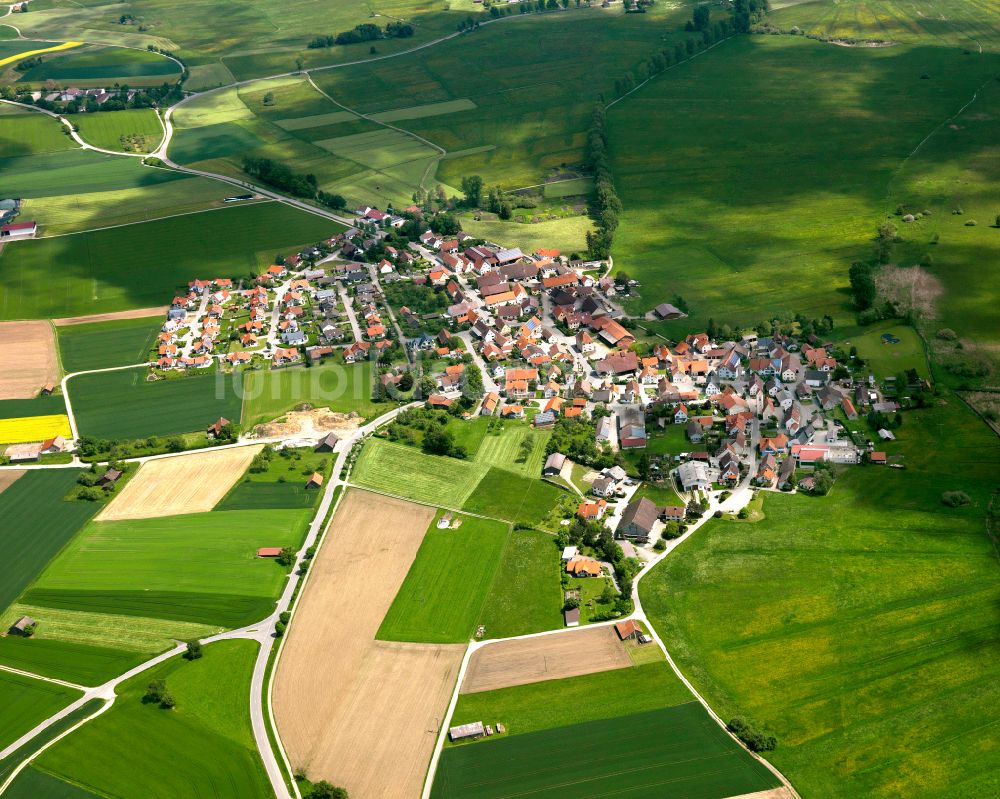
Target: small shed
<point>570,552</point>
<point>328,443</point>
<point>217,426</point>
<point>572,617</point>
<point>109,478</point>
<point>316,481</point>
<point>23,626</point>
<point>268,552</point>
<point>878,457</point>
<point>465,732</point>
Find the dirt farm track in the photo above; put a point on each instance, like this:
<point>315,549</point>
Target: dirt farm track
<point>545,657</point>
<point>27,359</point>
<point>362,713</point>
<point>180,484</point>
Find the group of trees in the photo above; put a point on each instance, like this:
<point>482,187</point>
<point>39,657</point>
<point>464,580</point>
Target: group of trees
<point>497,200</point>
<point>575,438</point>
<point>605,204</point>
<point>756,739</point>
<point>596,535</point>
<point>151,97</point>
<point>280,176</point>
<point>157,694</point>
<point>365,32</point>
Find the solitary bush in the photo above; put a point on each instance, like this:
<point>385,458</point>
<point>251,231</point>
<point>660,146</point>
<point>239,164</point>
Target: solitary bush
<point>955,499</point>
<point>193,650</point>
<point>750,733</point>
<point>946,334</point>
<point>970,223</point>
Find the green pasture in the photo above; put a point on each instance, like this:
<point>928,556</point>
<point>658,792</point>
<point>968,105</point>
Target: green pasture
<point>34,784</point>
<point>123,405</point>
<point>42,405</point>
<point>573,187</point>
<point>139,266</point>
<point>550,704</point>
<point>149,567</point>
<point>135,130</point>
<point>406,472</point>
<point>84,664</point>
<point>89,67</point>
<point>31,133</point>
<point>638,754</point>
<point>26,702</point>
<point>344,388</point>
<point>207,76</point>
<point>444,591</point>
<point>525,596</point>
<point>860,627</point>
<point>37,523</point>
<point>99,345</point>
<point>568,235</point>
<point>882,358</point>
<point>72,621</point>
<point>662,495</point>
<point>503,449</point>
<point>968,24</point>
<point>505,495</point>
<point>281,485</point>
<point>770,169</point>
<point>204,745</point>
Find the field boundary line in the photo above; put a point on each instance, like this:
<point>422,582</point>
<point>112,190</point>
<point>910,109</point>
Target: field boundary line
<point>53,680</point>
<point>427,504</point>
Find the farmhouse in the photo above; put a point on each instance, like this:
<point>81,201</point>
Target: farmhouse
<point>581,566</point>
<point>215,429</point>
<point>628,629</point>
<point>638,520</point>
<point>592,510</point>
<point>694,476</point>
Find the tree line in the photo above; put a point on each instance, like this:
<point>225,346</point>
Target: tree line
<point>365,32</point>
<point>605,205</point>
<point>282,177</point>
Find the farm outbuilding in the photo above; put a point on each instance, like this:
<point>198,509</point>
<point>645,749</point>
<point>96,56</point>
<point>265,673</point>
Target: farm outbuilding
<point>328,443</point>
<point>627,629</point>
<point>465,732</point>
<point>23,626</point>
<point>554,464</point>
<point>316,481</point>
<point>268,552</point>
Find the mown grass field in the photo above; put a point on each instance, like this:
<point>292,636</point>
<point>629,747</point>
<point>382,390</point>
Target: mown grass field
<point>525,596</point>
<point>505,495</point>
<point>444,591</point>
<point>140,266</point>
<point>204,744</point>
<point>342,388</point>
<point>34,428</point>
<point>568,235</point>
<point>861,628</point>
<point>122,405</point>
<point>100,345</point>
<point>624,754</point>
<point>149,567</point>
<point>36,525</point>
<point>134,130</point>
<point>409,473</point>
<point>26,702</point>
<point>760,190</point>
<point>503,449</point>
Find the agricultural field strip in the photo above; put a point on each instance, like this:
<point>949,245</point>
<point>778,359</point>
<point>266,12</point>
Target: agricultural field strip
<point>29,53</point>
<point>41,677</point>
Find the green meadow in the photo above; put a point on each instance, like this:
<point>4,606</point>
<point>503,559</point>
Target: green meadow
<point>42,405</point>
<point>505,495</point>
<point>31,784</point>
<point>99,345</point>
<point>123,405</point>
<point>635,755</point>
<point>861,628</point>
<point>568,235</point>
<point>27,702</point>
<point>100,66</point>
<point>25,133</point>
<point>343,388</point>
<point>141,265</point>
<point>443,594</point>
<point>37,523</point>
<point>771,167</point>
<point>135,130</point>
<point>62,659</point>
<point>199,567</point>
<point>282,484</point>
<point>204,746</point>
<point>503,449</point>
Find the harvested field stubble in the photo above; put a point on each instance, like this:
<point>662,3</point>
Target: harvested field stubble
<point>545,657</point>
<point>359,712</point>
<point>27,358</point>
<point>181,484</point>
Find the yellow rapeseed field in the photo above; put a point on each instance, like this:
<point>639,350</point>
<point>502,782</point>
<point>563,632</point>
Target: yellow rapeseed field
<point>33,428</point>
<point>28,54</point>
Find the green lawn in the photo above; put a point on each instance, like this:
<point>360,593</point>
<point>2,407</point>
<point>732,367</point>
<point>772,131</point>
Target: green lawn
<point>662,495</point>
<point>443,593</point>
<point>203,747</point>
<point>37,523</point>
<point>771,153</point>
<point>861,627</point>
<point>341,387</point>
<point>557,703</point>
<point>99,345</point>
<point>200,567</point>
<point>525,596</point>
<point>634,755</point>
<point>409,473</point>
<point>505,495</point>
<point>503,449</point>
<point>140,266</point>
<point>134,131</point>
<point>27,702</point>
<point>123,405</point>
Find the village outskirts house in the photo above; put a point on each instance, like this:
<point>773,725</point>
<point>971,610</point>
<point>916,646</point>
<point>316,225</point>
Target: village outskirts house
<point>638,520</point>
